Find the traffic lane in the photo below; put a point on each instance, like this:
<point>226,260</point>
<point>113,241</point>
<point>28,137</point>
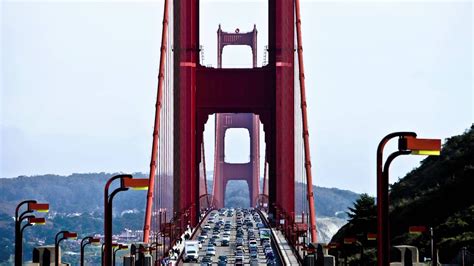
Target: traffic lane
<point>229,251</point>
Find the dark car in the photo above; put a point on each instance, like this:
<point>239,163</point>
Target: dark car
<point>223,258</point>
<point>253,262</point>
<point>206,260</point>
<point>213,242</point>
<point>225,243</point>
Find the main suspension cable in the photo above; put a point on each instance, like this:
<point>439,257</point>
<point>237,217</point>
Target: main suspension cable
<point>156,128</point>
<point>309,177</point>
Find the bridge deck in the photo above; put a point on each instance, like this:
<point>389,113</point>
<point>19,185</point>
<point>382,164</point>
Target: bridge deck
<point>229,251</point>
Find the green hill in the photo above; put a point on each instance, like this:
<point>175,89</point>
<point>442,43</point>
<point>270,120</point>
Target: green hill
<point>76,204</point>
<point>438,194</point>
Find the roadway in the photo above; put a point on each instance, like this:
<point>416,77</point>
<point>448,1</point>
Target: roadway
<point>226,216</point>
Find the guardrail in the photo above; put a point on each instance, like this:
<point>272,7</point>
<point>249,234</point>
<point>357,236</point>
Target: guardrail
<point>193,234</point>
<point>274,239</point>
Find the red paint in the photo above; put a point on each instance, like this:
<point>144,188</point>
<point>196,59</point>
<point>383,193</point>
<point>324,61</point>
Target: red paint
<point>186,173</point>
<point>413,143</point>
<point>223,171</point>
<point>156,127</point>
<point>267,92</point>
<point>309,175</point>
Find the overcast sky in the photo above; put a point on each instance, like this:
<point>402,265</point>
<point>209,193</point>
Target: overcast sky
<point>78,80</point>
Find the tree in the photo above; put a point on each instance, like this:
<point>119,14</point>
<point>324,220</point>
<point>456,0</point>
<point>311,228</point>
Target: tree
<point>364,209</point>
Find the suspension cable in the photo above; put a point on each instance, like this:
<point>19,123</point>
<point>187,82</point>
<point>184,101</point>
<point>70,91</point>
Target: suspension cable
<point>204,171</point>
<point>309,177</point>
<point>151,185</point>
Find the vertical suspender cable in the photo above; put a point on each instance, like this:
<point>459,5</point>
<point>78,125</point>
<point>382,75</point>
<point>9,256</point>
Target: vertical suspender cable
<point>309,177</point>
<point>265,175</point>
<point>203,155</point>
<point>151,185</point>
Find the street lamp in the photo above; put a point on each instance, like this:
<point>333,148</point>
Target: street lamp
<point>114,245</point>
<point>86,241</point>
<point>126,182</point>
<point>119,247</point>
<point>32,206</point>
<point>408,143</point>
<point>57,240</point>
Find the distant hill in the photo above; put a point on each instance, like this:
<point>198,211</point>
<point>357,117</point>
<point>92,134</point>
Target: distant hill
<point>84,193</point>
<point>76,203</point>
<point>66,194</point>
<point>438,194</point>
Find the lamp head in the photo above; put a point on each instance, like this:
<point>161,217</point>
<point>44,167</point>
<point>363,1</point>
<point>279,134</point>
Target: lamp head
<point>39,207</point>
<point>95,241</point>
<point>37,221</point>
<point>135,183</point>
<point>420,146</point>
<point>70,235</point>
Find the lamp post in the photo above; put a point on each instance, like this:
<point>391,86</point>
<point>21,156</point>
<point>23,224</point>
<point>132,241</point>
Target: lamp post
<point>86,241</point>
<point>407,144</point>
<point>119,247</point>
<point>114,245</point>
<point>32,206</point>
<point>126,182</point>
<point>57,240</point>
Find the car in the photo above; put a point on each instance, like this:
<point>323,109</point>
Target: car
<point>207,260</point>
<point>270,256</point>
<point>239,254</point>
<point>253,261</point>
<point>211,251</point>
<point>201,238</point>
<point>239,261</point>
<point>239,242</point>
<point>239,250</point>
<point>271,262</point>
<point>223,258</point>
<point>226,237</point>
<point>254,254</point>
<point>252,243</point>
<point>253,249</point>
<point>212,242</point>
<point>225,243</point>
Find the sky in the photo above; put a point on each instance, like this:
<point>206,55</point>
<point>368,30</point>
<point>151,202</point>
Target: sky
<point>78,81</point>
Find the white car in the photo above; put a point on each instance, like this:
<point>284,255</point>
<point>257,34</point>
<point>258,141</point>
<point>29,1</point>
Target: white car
<point>211,251</point>
<point>253,243</point>
<point>226,237</point>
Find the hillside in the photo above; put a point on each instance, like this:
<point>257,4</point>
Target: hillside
<point>438,194</point>
<point>76,204</point>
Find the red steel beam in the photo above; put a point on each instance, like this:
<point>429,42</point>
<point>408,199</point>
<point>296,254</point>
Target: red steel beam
<point>281,51</point>
<point>187,148</point>
<point>156,128</point>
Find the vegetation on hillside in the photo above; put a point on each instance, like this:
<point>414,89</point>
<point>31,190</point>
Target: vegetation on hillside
<point>437,194</point>
<point>76,204</point>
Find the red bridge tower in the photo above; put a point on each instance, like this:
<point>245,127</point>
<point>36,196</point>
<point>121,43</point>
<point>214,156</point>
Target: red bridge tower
<point>226,171</point>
